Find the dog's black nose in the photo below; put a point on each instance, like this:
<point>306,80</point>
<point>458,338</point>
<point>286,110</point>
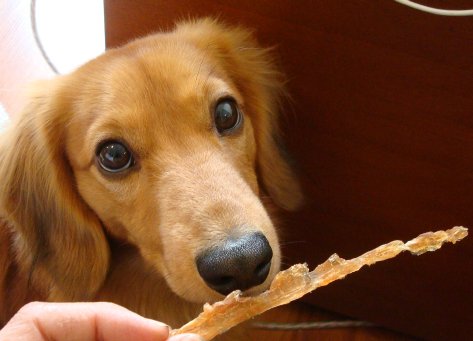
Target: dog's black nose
<point>239,263</point>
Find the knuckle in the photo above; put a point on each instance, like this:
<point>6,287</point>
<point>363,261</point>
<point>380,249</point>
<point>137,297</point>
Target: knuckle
<point>31,308</point>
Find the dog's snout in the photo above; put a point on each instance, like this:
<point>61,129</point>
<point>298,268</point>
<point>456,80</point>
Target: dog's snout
<point>239,263</point>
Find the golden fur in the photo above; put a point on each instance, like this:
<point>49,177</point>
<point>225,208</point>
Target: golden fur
<point>70,233</point>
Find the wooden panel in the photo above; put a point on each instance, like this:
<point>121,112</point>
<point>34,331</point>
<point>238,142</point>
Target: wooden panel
<point>381,127</point>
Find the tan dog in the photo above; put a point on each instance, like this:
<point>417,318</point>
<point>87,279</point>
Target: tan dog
<point>138,178</point>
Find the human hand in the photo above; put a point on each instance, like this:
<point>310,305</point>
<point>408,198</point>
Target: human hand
<point>84,322</point>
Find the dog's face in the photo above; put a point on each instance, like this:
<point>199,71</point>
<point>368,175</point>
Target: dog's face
<point>169,142</point>
<point>169,161</point>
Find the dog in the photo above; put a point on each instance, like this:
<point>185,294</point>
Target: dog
<point>145,176</point>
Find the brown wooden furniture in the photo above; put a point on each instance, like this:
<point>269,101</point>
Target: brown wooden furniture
<point>381,127</point>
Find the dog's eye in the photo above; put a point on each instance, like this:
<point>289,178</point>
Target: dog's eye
<point>227,116</point>
<point>114,157</point>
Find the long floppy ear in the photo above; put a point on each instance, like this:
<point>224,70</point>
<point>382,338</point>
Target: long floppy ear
<point>58,237</point>
<point>252,70</point>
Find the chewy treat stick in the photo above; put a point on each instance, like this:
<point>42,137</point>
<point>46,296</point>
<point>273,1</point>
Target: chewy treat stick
<point>295,282</point>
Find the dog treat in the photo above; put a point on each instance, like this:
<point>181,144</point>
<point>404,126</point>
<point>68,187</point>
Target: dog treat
<point>295,282</point>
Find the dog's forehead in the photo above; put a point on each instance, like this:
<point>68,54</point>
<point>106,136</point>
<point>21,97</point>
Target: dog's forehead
<point>167,69</point>
<point>165,79</point>
<point>155,91</point>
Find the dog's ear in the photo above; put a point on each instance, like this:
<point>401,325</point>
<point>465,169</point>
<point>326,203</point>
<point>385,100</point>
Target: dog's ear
<point>253,71</point>
<point>59,238</point>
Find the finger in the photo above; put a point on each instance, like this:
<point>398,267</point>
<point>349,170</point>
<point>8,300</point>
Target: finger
<point>84,321</point>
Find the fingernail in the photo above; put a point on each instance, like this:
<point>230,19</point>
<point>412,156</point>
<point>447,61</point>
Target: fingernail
<point>154,323</point>
<point>187,337</point>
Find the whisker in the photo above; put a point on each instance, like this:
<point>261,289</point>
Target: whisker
<point>287,245</point>
<point>199,69</point>
<point>292,242</point>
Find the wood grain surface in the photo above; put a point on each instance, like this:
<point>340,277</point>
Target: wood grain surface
<point>381,127</point>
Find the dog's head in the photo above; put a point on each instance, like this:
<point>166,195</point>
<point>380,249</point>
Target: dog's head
<point>168,143</point>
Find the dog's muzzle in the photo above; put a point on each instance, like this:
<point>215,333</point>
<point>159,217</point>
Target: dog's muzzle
<point>238,263</point>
